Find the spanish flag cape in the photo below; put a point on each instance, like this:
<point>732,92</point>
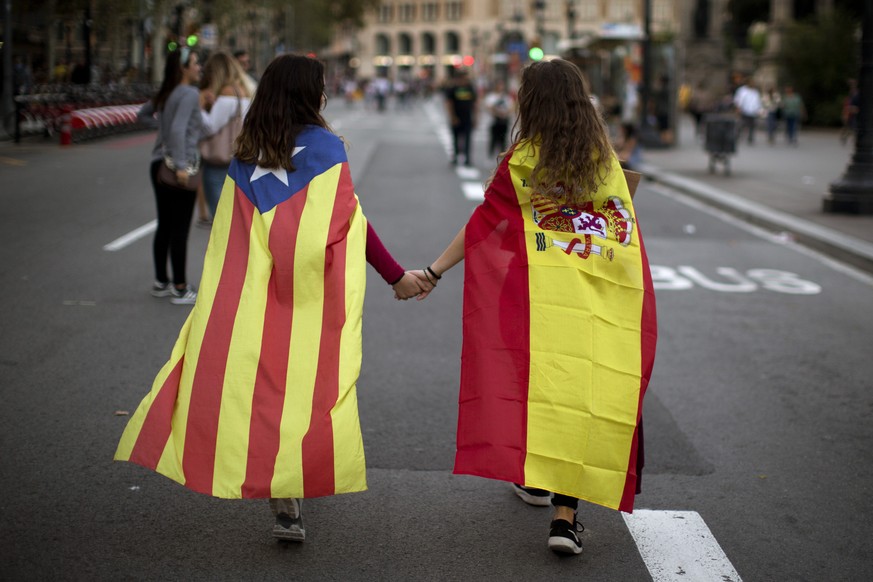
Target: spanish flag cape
<point>258,398</point>
<point>559,339</point>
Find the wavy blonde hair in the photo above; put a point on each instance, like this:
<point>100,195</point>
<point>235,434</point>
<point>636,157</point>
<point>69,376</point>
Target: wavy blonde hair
<point>222,70</point>
<point>557,117</point>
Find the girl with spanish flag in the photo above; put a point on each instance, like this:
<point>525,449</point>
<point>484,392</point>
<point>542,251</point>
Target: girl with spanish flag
<point>258,399</point>
<point>559,313</point>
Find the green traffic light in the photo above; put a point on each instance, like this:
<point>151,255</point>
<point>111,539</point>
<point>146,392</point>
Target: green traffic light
<point>191,40</point>
<point>171,46</point>
<point>536,53</point>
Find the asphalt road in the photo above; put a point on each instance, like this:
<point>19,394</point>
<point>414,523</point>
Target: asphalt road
<point>757,418</point>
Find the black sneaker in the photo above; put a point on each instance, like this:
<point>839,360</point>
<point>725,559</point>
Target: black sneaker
<point>531,496</point>
<point>563,538</point>
<point>289,520</point>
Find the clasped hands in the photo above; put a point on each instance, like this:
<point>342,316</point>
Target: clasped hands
<point>418,284</point>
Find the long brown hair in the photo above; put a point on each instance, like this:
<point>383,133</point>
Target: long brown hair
<point>287,100</point>
<point>558,118</point>
<point>177,59</point>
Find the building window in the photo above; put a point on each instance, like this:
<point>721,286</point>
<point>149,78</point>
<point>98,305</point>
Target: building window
<point>454,10</point>
<point>430,11</point>
<point>407,12</point>
<point>662,11</point>
<point>386,12</point>
<point>588,10</point>
<point>621,10</point>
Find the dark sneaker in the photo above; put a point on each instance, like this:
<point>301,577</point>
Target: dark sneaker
<point>161,289</point>
<point>289,520</point>
<point>186,296</point>
<point>563,537</point>
<point>531,496</point>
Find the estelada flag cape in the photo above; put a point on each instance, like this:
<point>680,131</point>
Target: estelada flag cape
<point>258,398</point>
<point>559,338</point>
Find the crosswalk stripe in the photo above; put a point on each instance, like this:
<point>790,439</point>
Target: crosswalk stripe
<point>678,546</point>
<point>131,237</point>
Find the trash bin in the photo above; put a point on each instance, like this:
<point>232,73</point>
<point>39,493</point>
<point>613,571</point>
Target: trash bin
<point>721,140</point>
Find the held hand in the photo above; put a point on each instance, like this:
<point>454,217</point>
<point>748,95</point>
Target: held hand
<point>408,286</point>
<point>425,281</point>
<point>182,177</point>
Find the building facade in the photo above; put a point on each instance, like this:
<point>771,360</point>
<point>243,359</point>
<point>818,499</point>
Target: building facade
<point>431,38</point>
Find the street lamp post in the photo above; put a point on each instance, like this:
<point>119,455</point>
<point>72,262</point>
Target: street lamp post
<point>571,20</point>
<point>853,193</point>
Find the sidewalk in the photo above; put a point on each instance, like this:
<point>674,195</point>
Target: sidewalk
<point>778,187</point>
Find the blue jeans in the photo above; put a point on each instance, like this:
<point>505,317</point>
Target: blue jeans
<point>791,128</point>
<point>213,182</point>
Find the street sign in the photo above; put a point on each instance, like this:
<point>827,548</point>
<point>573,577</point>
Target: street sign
<point>209,36</point>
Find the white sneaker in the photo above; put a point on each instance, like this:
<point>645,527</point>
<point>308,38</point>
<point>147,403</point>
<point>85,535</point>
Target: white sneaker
<point>162,289</point>
<point>186,296</point>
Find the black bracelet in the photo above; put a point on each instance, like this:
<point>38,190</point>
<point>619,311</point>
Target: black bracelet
<point>426,276</point>
<point>431,271</point>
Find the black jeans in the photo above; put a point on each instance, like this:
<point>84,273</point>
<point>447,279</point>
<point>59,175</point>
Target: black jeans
<point>497,143</point>
<point>558,500</point>
<point>462,134</point>
<point>175,209</point>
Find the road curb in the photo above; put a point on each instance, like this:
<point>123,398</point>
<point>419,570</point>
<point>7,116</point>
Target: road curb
<point>848,249</point>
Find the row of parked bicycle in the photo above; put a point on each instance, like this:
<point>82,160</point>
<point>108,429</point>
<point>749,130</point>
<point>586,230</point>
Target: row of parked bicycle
<point>86,111</point>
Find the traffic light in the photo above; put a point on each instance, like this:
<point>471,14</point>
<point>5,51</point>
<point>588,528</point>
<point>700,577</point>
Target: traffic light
<point>191,40</point>
<point>535,52</point>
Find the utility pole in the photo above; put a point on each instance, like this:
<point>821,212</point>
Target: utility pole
<point>647,133</point>
<point>853,193</point>
<point>7,106</point>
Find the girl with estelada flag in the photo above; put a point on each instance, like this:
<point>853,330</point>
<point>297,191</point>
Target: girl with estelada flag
<point>258,399</point>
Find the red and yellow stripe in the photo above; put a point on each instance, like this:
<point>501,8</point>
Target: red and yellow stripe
<point>258,398</point>
<point>558,349</point>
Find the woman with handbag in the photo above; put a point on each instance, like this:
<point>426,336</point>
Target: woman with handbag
<point>224,100</point>
<point>175,169</point>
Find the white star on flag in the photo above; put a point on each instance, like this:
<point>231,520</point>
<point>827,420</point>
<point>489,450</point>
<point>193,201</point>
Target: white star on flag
<point>280,173</point>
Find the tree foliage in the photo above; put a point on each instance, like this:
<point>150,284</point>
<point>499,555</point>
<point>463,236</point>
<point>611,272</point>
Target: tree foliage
<point>819,55</point>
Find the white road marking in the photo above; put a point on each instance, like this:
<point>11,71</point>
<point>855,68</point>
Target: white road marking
<point>131,237</point>
<point>780,239</point>
<point>678,546</point>
<point>473,190</point>
<point>466,173</point>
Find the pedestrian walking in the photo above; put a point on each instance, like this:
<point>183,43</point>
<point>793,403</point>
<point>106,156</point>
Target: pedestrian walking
<point>258,399</point>
<point>747,100</point>
<point>500,105</point>
<point>849,114</point>
<point>460,98</point>
<point>559,313</point>
<point>175,111</point>
<point>628,148</point>
<point>224,100</point>
<point>245,61</point>
<point>794,112</point>
<point>771,104</point>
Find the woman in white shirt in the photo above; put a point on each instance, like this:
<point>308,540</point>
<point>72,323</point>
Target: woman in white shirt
<point>224,100</point>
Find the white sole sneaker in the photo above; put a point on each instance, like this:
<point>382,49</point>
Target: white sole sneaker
<point>530,499</point>
<point>564,545</point>
<point>293,533</point>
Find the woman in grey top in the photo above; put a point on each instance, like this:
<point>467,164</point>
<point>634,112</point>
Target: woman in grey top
<point>175,112</point>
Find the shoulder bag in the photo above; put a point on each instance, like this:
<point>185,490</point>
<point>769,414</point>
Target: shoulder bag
<point>217,149</point>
